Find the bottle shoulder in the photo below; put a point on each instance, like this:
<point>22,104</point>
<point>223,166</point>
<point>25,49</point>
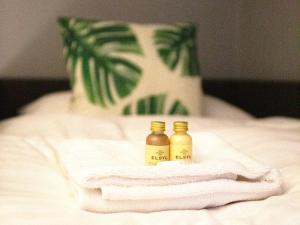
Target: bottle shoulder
<point>180,138</point>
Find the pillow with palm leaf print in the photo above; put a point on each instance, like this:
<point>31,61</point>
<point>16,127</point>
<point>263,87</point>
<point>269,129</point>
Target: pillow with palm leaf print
<point>128,68</point>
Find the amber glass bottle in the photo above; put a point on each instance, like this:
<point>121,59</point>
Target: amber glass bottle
<point>180,142</point>
<point>157,144</point>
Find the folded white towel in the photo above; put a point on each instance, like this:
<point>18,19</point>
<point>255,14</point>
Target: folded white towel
<point>109,176</point>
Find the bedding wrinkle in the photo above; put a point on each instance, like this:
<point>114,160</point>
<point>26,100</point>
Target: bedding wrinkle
<point>116,121</point>
<point>28,177</point>
<point>54,159</point>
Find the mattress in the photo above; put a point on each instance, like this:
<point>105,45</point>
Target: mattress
<point>33,189</point>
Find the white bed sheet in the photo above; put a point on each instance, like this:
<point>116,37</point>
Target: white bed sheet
<point>34,191</point>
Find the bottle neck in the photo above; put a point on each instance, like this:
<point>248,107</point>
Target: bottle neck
<point>157,132</point>
<point>180,132</point>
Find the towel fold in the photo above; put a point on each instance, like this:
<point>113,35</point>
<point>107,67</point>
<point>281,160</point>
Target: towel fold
<point>109,176</point>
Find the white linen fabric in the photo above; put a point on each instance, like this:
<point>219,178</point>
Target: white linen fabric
<point>59,102</point>
<point>34,191</point>
<point>114,179</point>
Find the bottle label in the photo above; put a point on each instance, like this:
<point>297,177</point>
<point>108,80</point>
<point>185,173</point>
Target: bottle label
<point>181,152</point>
<point>157,153</point>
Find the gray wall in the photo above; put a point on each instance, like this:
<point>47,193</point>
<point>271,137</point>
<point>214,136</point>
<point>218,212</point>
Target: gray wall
<point>232,42</point>
<point>31,45</point>
<point>270,39</point>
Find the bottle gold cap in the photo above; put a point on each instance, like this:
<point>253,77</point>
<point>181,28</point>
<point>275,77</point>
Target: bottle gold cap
<point>180,126</point>
<point>158,126</point>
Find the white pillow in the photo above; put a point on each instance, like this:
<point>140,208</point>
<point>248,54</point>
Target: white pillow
<point>217,108</point>
<point>58,102</point>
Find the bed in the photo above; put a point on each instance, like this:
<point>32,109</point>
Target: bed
<point>124,75</point>
<point>33,190</point>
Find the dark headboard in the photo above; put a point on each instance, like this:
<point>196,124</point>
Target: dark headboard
<point>260,98</point>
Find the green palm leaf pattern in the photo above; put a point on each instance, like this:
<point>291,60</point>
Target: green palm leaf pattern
<point>155,104</point>
<point>176,45</point>
<point>95,45</point>
<point>178,109</point>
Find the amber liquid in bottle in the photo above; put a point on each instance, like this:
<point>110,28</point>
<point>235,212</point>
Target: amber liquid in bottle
<point>157,144</point>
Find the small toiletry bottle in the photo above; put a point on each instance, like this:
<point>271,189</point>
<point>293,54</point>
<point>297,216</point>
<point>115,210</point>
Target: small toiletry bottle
<point>157,144</point>
<point>180,142</point>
